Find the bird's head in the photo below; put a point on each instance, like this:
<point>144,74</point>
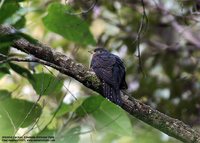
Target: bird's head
<point>98,51</point>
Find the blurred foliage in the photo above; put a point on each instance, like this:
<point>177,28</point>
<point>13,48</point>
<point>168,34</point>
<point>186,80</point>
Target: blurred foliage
<point>67,21</point>
<point>45,84</point>
<point>11,119</point>
<point>169,80</point>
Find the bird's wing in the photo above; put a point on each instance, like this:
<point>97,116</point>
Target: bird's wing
<point>105,74</point>
<point>106,60</point>
<point>103,67</point>
<point>103,61</point>
<point>119,73</point>
<point>110,68</point>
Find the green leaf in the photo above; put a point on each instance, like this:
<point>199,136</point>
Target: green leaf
<point>9,37</point>
<point>21,71</point>
<point>4,49</point>
<point>47,132</point>
<point>67,136</point>
<point>108,116</point>
<point>14,0</point>
<point>15,113</point>
<point>113,118</point>
<point>66,108</point>
<point>70,136</point>
<point>18,19</point>
<point>6,42</point>
<point>3,70</point>
<point>8,9</point>
<point>69,26</point>
<point>27,37</point>
<point>20,23</point>
<point>4,94</point>
<point>90,105</point>
<point>45,84</point>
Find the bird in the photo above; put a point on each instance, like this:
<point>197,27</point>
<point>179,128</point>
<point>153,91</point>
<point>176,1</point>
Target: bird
<point>110,69</point>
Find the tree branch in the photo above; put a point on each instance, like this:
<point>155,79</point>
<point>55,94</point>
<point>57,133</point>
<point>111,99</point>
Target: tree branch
<point>68,66</point>
<point>32,59</point>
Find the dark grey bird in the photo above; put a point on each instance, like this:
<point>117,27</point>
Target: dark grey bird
<point>110,69</point>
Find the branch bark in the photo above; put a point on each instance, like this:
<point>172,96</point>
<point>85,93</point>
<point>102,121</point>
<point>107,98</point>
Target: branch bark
<point>68,66</point>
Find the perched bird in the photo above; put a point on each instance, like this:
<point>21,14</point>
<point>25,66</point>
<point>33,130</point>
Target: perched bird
<point>111,71</point>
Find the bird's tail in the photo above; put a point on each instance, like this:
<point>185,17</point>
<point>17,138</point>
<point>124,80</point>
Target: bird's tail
<point>112,94</point>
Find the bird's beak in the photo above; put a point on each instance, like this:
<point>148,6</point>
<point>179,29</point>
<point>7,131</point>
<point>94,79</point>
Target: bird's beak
<point>91,52</point>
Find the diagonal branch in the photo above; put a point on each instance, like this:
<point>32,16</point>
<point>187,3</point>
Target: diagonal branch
<point>68,66</point>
